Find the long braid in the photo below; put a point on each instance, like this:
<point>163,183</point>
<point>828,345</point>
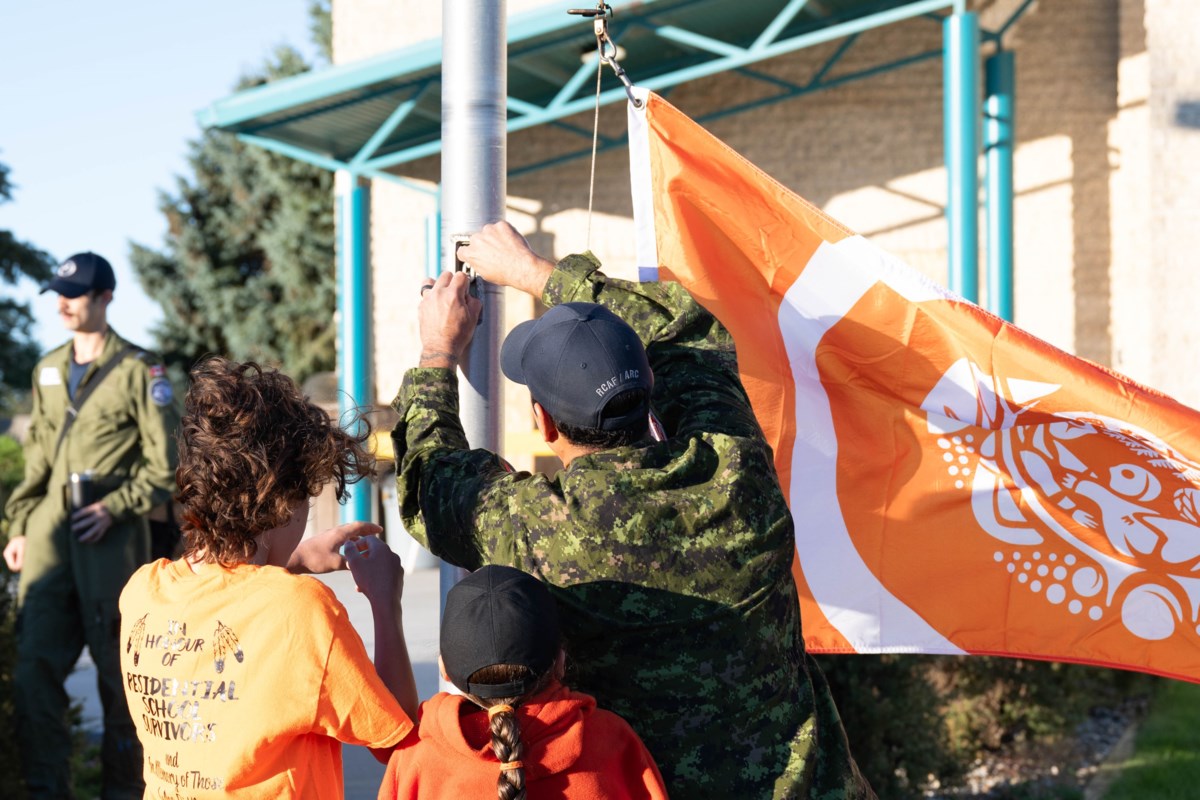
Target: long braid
<point>506,731</point>
<point>507,745</point>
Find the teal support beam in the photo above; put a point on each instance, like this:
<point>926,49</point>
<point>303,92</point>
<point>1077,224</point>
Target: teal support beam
<point>331,164</point>
<point>772,31</point>
<point>354,321</point>
<point>999,136</point>
<point>385,130</point>
<point>699,42</point>
<point>961,128</point>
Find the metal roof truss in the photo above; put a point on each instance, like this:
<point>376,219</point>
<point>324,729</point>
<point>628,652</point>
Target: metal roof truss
<point>370,117</point>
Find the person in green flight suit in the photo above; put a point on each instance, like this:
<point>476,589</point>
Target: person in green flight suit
<point>665,540</point>
<point>74,561</point>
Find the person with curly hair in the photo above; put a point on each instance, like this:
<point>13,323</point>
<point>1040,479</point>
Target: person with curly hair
<point>516,729</point>
<point>243,677</point>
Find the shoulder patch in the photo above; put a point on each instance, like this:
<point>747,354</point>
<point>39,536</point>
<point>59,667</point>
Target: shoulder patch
<point>49,376</point>
<point>157,371</point>
<point>161,392</point>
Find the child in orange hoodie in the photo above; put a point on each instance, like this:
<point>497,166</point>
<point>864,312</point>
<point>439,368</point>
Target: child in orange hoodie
<point>518,730</point>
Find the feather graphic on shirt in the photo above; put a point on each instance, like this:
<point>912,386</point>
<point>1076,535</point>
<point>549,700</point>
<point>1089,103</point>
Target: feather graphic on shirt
<point>134,642</point>
<point>225,641</point>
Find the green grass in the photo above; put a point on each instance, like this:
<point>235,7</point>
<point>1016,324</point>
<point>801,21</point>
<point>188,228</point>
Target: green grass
<point>1165,764</point>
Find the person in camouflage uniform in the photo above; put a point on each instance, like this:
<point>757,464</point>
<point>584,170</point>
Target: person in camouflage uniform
<point>74,562</point>
<point>669,556</point>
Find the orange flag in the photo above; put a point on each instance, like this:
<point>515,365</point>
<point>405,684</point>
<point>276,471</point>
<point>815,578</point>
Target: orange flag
<point>958,485</point>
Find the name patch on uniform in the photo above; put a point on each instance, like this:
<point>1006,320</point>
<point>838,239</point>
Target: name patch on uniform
<point>160,392</point>
<point>49,376</point>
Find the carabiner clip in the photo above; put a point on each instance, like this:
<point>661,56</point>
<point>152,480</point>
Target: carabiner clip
<point>606,48</point>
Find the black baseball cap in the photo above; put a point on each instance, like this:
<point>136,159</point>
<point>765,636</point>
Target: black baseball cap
<point>574,359</point>
<point>80,274</point>
<point>498,615</point>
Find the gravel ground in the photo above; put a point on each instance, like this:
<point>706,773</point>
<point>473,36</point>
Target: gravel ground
<point>1041,771</point>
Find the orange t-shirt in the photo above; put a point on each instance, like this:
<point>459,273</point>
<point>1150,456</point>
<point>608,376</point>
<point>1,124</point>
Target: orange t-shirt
<point>242,682</point>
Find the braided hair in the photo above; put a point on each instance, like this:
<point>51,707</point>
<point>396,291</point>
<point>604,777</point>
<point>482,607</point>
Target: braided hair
<point>506,731</point>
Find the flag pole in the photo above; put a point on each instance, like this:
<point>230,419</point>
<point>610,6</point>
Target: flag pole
<point>473,192</point>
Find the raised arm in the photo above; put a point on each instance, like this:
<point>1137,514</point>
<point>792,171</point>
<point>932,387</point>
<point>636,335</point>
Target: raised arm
<point>499,254</point>
<point>696,383</point>
<point>441,483</point>
<point>380,577</point>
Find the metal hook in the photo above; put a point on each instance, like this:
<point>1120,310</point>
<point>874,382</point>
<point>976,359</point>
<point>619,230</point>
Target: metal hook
<point>621,76</point>
<point>606,48</point>
<point>602,10</point>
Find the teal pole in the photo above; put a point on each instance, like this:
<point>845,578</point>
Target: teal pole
<point>960,41</point>
<point>354,317</point>
<point>999,141</point>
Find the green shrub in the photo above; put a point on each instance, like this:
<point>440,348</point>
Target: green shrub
<point>911,719</point>
<point>12,467</point>
<point>989,702</point>
<point>890,710</point>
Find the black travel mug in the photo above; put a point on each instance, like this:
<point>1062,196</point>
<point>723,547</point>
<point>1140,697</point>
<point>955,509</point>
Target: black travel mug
<point>83,489</point>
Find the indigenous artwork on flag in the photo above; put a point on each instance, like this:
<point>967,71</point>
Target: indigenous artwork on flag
<point>958,485</point>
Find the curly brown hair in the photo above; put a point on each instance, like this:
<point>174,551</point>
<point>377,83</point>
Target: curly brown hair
<point>251,446</point>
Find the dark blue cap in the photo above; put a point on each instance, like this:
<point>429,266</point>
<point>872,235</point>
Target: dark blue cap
<point>499,615</point>
<point>575,358</point>
<point>80,274</point>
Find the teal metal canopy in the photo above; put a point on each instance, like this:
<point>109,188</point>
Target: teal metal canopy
<point>369,117</point>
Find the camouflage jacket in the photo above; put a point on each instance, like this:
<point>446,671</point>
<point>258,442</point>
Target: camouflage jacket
<point>670,561</point>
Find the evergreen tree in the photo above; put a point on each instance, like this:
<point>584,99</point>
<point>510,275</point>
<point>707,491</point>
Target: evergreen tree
<point>248,266</point>
<point>320,25</point>
<point>18,350</point>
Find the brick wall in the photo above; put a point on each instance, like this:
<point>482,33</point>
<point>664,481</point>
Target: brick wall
<point>1173,39</point>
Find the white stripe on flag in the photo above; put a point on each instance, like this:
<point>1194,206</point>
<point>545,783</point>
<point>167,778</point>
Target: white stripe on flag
<point>851,597</point>
<point>641,185</point>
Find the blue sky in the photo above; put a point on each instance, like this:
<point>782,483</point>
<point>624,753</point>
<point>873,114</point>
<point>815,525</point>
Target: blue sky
<point>97,103</point>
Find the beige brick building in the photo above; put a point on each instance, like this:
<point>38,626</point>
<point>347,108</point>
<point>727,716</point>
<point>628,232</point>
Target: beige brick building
<point>1107,206</point>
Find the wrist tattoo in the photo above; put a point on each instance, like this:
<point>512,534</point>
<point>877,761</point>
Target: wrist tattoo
<point>438,355</point>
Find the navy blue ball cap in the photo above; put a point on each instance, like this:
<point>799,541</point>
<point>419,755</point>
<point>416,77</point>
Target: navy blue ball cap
<point>575,358</point>
<point>80,274</point>
<point>499,615</point>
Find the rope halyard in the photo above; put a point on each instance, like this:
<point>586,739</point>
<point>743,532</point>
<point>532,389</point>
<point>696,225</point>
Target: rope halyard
<point>607,51</point>
<point>595,140</point>
<point>605,46</point>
